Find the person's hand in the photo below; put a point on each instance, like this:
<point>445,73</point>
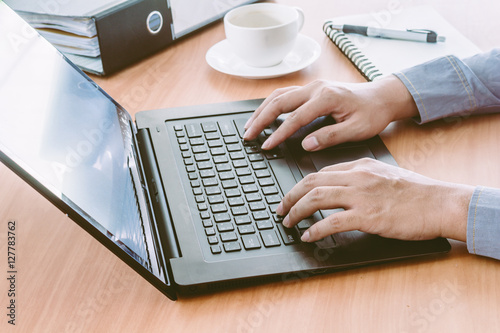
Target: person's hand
<point>378,198</point>
<point>361,110</point>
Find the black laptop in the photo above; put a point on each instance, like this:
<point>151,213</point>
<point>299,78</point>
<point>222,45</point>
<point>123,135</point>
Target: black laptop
<point>177,194</point>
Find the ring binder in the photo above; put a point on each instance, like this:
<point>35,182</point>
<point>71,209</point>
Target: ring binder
<point>353,53</point>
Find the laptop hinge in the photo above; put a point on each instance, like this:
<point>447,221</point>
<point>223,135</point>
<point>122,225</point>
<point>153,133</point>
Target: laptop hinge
<point>157,196</point>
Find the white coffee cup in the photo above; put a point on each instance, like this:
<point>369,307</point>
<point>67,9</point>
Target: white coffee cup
<point>263,34</point>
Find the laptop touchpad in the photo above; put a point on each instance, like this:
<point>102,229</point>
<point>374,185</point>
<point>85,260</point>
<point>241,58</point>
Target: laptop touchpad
<point>332,156</point>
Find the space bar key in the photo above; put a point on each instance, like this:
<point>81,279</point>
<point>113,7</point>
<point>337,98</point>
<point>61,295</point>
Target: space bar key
<point>283,174</point>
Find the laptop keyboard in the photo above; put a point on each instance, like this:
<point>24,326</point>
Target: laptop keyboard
<point>234,188</point>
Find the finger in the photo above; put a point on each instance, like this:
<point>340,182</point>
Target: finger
<point>325,197</point>
<point>302,116</point>
<point>283,103</point>
<point>338,222</point>
<point>266,102</point>
<point>310,182</point>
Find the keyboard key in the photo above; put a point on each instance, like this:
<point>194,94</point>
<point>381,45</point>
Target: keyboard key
<point>269,238</point>
<point>246,180</point>
<point>199,149</point>
<point>252,149</point>
<point>226,128</point>
<point>205,214</point>
<point>177,128</point>
<point>199,199</point>
<point>229,184</point>
<point>222,217</point>
<point>226,175</point>
<point>210,182</point>
<point>259,165</point>
<point>255,157</point>
<point>232,193</point>
<point>197,191</point>
<point>188,161</point>
<point>216,249</point>
<point>204,165</point>
<point>202,157</point>
<point>215,199</point>
<point>237,155</point>
<point>225,226</point>
<point>273,199</point>
<point>208,223</point>
<point>182,140</point>
<point>209,127</point>
<point>250,188</point>
<point>210,231</point>
<point>217,151</point>
<point>212,136</point>
<point>202,206</point>
<point>270,190</point>
<point>236,201</point>
<point>214,143</point>
<point>253,197</point>
<point>251,242</point>
<point>193,130</point>
<point>232,247</point>
<point>245,219</point>
<point>196,141</point>
<point>239,210</point>
<point>260,215</point>
<point>288,235</point>
<point>246,229</point>
<point>207,173</point>
<point>219,208</point>
<point>213,190</point>
<point>212,240</point>
<point>306,223</point>
<point>223,167</point>
<point>264,224</point>
<point>230,140</point>
<point>262,173</point>
<point>228,236</point>
<point>266,181</point>
<point>240,163</point>
<point>221,159</point>
<point>243,172</point>
<point>233,147</point>
<point>258,205</point>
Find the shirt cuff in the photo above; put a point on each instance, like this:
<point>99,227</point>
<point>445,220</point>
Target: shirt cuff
<point>483,223</point>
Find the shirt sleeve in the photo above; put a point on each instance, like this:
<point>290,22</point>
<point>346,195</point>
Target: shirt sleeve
<point>483,223</point>
<point>449,86</point>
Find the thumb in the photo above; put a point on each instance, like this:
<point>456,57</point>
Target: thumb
<point>328,136</point>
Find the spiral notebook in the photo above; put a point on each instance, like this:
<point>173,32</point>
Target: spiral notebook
<point>376,57</point>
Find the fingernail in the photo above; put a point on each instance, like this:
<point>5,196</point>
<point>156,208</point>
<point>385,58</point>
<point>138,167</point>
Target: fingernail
<point>286,221</point>
<point>245,135</point>
<point>305,237</point>
<point>279,209</point>
<point>267,143</point>
<point>310,143</point>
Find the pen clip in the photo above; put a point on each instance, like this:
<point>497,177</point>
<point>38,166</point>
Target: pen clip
<point>432,36</point>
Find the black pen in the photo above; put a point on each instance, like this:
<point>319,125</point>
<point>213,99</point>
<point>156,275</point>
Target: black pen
<point>416,35</point>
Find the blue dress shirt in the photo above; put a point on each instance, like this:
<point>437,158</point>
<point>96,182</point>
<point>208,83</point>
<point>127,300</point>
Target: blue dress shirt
<point>449,86</point>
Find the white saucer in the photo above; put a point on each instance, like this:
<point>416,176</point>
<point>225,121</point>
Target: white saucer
<point>221,58</point>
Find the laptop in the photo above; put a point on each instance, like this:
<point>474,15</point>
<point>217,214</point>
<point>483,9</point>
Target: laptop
<point>177,194</point>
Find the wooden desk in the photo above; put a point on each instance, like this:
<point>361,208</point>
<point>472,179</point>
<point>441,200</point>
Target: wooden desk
<point>68,282</point>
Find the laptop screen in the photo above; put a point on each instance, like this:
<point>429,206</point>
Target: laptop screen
<point>69,136</point>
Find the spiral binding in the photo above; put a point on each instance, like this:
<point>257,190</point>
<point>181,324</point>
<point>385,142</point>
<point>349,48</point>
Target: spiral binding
<point>354,54</point>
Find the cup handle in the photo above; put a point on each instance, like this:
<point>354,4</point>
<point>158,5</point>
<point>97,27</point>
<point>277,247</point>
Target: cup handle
<point>301,17</point>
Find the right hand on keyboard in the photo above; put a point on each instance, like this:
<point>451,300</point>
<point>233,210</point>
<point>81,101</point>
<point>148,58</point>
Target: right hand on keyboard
<point>361,110</point>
